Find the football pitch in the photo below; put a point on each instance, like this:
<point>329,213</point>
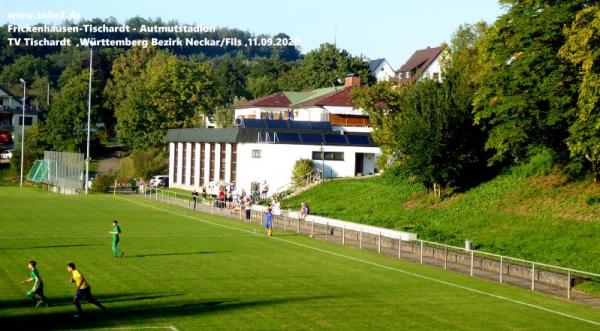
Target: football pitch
<point>186,271</point>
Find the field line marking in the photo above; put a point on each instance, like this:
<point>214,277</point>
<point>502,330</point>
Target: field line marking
<point>170,327</point>
<point>496,296</point>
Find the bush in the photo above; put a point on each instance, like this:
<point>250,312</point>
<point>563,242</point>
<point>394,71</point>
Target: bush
<point>102,183</point>
<point>301,169</point>
<point>540,162</point>
<point>149,162</point>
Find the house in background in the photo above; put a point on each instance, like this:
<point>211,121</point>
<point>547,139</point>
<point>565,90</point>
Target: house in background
<point>270,134</point>
<point>11,118</point>
<point>424,63</point>
<point>381,70</point>
<point>330,104</point>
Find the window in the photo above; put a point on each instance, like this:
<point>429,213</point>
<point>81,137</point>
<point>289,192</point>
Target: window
<point>329,156</point>
<point>193,166</point>
<point>184,164</point>
<point>436,76</point>
<point>28,120</point>
<point>233,173</point>
<point>256,153</point>
<point>211,169</point>
<point>223,160</point>
<point>202,152</point>
<point>175,165</point>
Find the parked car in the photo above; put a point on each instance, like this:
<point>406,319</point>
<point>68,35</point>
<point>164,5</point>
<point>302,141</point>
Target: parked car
<point>6,155</point>
<point>159,181</point>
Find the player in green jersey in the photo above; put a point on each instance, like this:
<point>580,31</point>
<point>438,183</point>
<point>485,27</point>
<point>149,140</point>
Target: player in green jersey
<point>37,291</point>
<point>116,232</point>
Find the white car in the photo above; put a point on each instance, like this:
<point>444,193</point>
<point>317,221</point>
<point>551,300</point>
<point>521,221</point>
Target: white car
<point>159,181</point>
<point>6,155</point>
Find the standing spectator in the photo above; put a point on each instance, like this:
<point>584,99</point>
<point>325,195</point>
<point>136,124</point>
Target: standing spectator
<point>203,192</point>
<point>303,211</point>
<point>142,185</point>
<point>269,222</point>
<point>195,198</point>
<point>276,206</point>
<point>248,208</point>
<point>221,198</point>
<point>133,186</point>
<point>264,190</point>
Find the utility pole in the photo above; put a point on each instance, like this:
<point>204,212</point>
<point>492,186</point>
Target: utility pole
<point>87,155</point>
<point>23,130</point>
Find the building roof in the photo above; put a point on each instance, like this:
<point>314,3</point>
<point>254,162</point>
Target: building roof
<point>339,97</point>
<point>374,64</point>
<point>281,135</point>
<point>292,99</point>
<point>421,59</point>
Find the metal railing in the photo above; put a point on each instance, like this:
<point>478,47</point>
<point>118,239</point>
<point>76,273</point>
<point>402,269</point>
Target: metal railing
<point>532,275</point>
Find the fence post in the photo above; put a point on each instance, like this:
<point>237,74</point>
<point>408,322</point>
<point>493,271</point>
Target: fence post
<point>446,258</point>
<point>533,276</point>
<point>472,260</point>
<point>421,253</point>
<point>379,243</point>
<point>343,234</point>
<point>298,229</point>
<point>399,247</point>
<point>262,215</point>
<point>360,239</point>
<point>312,228</point>
<point>326,231</point>
<point>501,268</point>
<point>569,284</point>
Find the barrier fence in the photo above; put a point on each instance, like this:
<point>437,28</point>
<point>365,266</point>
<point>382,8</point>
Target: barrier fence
<point>536,276</point>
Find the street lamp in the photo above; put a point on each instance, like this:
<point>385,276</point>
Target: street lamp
<point>22,130</point>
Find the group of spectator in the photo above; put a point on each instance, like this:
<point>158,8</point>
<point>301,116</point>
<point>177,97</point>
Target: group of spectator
<point>138,187</point>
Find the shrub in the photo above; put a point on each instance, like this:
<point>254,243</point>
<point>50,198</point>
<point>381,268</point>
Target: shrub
<point>301,169</point>
<point>149,162</point>
<point>102,183</point>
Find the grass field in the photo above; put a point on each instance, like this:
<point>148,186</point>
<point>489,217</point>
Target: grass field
<point>539,218</point>
<point>189,271</point>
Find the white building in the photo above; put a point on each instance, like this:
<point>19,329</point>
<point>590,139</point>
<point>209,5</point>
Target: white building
<point>424,63</point>
<point>381,70</point>
<point>271,134</point>
<point>11,118</point>
<point>265,151</point>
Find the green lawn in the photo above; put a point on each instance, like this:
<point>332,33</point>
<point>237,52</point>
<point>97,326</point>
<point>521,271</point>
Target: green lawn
<point>543,218</point>
<point>191,271</point>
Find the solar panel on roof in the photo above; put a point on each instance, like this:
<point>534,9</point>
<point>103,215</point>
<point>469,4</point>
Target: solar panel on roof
<point>311,138</point>
<point>254,123</point>
<point>287,137</point>
<point>276,124</point>
<point>335,139</point>
<point>321,126</point>
<point>358,140</point>
<point>300,125</point>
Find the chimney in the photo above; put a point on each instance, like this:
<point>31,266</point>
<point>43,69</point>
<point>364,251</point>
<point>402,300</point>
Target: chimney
<point>352,79</point>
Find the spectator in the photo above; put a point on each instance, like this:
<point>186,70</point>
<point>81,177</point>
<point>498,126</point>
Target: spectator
<point>133,186</point>
<point>203,192</point>
<point>142,184</point>
<point>221,198</point>
<point>303,211</point>
<point>264,190</point>
<point>195,198</point>
<point>276,206</point>
<point>248,208</point>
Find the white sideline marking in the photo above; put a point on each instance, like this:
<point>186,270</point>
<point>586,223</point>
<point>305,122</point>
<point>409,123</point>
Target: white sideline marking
<point>500,297</point>
<point>170,327</point>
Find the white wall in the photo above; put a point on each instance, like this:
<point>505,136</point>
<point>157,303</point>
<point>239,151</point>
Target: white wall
<point>344,110</point>
<point>277,161</point>
<point>171,162</point>
<point>435,67</point>
<point>384,72</point>
<point>256,111</point>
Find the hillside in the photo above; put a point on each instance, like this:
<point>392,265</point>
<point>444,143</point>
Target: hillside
<point>542,218</point>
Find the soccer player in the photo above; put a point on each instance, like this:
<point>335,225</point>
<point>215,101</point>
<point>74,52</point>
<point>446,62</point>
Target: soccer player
<point>38,286</point>
<point>116,231</point>
<point>82,289</point>
<point>269,222</point>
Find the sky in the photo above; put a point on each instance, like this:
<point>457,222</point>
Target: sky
<point>391,29</point>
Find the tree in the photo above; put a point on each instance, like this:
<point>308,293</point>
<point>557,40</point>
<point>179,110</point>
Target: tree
<point>325,67</point>
<point>581,49</point>
<point>302,168</point>
<point>25,67</point>
<point>67,120</point>
<point>527,95</point>
<point>224,116</point>
<point>169,92</point>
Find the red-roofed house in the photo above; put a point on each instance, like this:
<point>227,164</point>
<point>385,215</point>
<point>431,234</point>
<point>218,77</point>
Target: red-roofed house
<point>424,63</point>
<point>330,104</point>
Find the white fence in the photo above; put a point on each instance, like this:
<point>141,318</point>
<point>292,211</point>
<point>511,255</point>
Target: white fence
<point>536,276</point>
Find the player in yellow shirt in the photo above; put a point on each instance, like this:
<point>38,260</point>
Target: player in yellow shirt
<point>83,289</point>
